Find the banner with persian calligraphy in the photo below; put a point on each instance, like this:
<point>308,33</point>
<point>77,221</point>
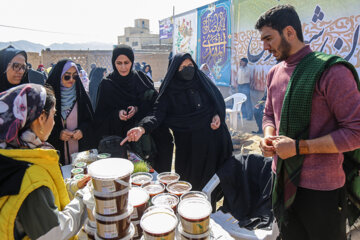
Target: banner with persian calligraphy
<point>166,28</point>
<point>185,33</point>
<point>214,40</point>
<point>330,26</point>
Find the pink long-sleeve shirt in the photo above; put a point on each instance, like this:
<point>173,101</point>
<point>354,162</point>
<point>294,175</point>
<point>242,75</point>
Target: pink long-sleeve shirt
<point>335,111</point>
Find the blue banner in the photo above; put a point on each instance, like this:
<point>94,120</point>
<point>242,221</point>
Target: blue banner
<point>214,40</point>
<point>166,27</point>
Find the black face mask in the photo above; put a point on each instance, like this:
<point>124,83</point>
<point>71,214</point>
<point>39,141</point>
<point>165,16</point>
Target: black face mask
<point>187,73</point>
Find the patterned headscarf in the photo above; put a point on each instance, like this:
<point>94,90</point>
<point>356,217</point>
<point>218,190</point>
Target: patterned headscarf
<point>19,107</point>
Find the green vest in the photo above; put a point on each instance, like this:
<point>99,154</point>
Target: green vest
<point>295,122</point>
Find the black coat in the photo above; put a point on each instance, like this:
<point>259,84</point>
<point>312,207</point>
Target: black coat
<point>85,113</point>
<point>6,55</point>
<point>187,107</point>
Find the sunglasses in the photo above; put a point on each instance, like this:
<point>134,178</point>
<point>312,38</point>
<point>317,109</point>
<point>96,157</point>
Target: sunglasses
<point>18,66</point>
<point>68,77</point>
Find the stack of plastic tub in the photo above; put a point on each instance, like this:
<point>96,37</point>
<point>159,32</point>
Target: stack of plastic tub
<point>112,212</point>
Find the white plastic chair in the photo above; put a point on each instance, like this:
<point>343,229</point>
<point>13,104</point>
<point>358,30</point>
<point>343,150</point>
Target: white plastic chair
<point>239,99</point>
<point>230,224</point>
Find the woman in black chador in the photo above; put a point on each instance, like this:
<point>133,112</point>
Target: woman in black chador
<point>124,98</point>
<point>193,107</point>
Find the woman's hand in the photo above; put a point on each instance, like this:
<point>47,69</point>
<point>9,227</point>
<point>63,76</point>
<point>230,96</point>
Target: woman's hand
<point>133,135</point>
<point>131,111</point>
<point>215,124</point>
<point>66,135</point>
<point>77,135</point>
<point>82,182</point>
<point>122,115</point>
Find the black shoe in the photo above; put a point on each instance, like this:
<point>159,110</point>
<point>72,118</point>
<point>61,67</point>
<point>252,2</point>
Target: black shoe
<point>257,132</point>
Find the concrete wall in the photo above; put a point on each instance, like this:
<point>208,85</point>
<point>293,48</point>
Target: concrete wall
<point>157,61</point>
<point>34,59</point>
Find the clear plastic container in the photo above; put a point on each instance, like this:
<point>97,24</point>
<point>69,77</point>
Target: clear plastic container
<point>141,178</point>
<point>179,188</point>
<point>153,188</point>
<point>193,194</point>
<point>139,199</point>
<point>167,199</point>
<point>195,215</point>
<point>113,227</point>
<point>113,203</point>
<point>168,177</point>
<point>111,174</point>
<point>128,236</point>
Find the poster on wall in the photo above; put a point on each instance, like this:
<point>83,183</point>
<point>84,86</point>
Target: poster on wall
<point>329,26</point>
<point>214,40</point>
<point>185,33</point>
<point>166,28</point>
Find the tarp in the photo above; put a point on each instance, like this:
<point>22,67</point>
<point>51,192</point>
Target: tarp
<point>214,40</point>
<point>330,26</point>
<point>185,33</point>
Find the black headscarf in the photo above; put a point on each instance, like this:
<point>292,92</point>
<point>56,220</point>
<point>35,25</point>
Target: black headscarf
<point>6,55</point>
<point>173,83</point>
<point>118,92</point>
<point>85,113</point>
<point>95,80</point>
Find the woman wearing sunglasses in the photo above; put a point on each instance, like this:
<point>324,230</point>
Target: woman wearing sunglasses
<point>12,68</point>
<point>73,122</point>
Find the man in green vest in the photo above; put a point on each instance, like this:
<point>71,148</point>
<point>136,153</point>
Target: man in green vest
<point>312,116</point>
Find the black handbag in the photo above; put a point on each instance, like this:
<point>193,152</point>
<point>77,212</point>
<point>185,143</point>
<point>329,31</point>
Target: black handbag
<point>111,144</point>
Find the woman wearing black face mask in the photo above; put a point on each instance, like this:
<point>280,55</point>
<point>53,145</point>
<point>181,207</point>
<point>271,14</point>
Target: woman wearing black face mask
<point>193,107</point>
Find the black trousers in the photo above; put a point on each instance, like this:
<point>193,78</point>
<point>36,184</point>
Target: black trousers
<point>316,215</point>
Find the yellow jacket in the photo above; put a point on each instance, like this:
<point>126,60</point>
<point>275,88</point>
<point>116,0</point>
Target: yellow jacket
<point>44,171</point>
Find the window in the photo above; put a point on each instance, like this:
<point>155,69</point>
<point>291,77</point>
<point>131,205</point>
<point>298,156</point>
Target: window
<point>127,39</point>
<point>134,44</point>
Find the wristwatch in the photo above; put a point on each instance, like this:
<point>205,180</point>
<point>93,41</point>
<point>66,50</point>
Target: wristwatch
<point>303,147</point>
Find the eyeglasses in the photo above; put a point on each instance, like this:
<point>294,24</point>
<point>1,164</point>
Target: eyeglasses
<point>18,66</point>
<point>68,77</point>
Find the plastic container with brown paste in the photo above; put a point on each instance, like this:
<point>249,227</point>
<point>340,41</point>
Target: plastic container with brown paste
<point>168,177</point>
<point>179,188</point>
<point>138,230</point>
<point>141,178</point>
<point>139,199</point>
<point>90,230</point>
<point>181,235</point>
<point>166,199</point>
<point>193,194</point>
<point>128,236</point>
<point>114,203</point>
<point>195,215</point>
<point>113,227</point>
<point>153,188</point>
<point>111,174</point>
<point>159,224</point>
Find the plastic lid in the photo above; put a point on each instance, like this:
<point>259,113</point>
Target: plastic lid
<point>153,187</point>
<point>192,236</point>
<point>89,229</point>
<point>179,187</point>
<point>194,208</point>
<point>129,236</point>
<point>110,168</point>
<point>114,218</point>
<point>164,175</point>
<point>79,176</point>
<point>111,194</point>
<point>80,164</point>
<point>138,196</point>
<point>141,178</point>
<point>165,199</point>
<point>157,222</point>
<point>193,194</point>
<point>77,170</point>
<point>159,208</point>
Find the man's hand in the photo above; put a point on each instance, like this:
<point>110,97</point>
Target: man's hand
<point>66,135</point>
<point>266,146</point>
<point>215,124</point>
<point>284,146</point>
<point>77,135</point>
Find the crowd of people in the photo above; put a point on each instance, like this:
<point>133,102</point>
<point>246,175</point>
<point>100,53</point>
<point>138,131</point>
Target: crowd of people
<point>306,130</point>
